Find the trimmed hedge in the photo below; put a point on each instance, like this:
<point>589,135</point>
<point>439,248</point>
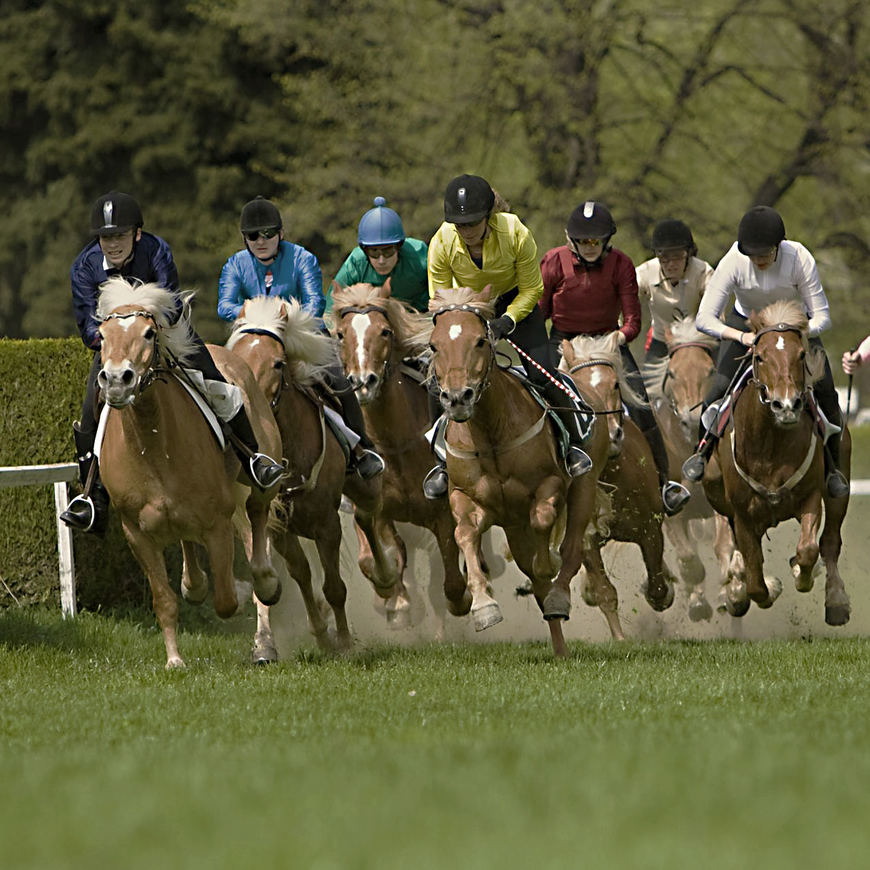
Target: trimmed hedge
<point>42,384</point>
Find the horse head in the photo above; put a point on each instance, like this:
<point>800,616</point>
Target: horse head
<point>136,332</point>
<point>463,352</point>
<point>594,363</point>
<point>689,369</point>
<point>780,360</point>
<point>363,326</point>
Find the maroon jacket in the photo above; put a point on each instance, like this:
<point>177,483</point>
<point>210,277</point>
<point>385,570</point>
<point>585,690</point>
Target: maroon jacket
<point>589,299</point>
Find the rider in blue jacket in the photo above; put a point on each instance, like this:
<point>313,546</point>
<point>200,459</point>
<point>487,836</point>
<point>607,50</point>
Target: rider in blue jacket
<point>122,248</point>
<point>271,266</point>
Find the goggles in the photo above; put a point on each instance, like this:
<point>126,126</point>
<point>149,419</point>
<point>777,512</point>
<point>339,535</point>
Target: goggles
<point>593,243</point>
<point>383,253</point>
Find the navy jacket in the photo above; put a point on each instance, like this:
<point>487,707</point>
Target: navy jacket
<point>152,262</point>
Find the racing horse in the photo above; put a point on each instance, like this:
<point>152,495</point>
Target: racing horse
<point>677,385</point>
<point>287,352</point>
<point>503,465</point>
<point>166,473</point>
<point>770,467</point>
<point>634,513</point>
<point>376,332</point>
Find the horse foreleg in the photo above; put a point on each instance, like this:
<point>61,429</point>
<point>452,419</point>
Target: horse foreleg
<point>328,543</point>
<point>837,606</point>
<point>165,603</point>
<point>659,587</point>
<point>472,521</point>
<point>267,586</point>
<point>219,542</point>
<point>807,553</point>
<point>691,567</point>
<point>761,590</point>
<point>194,581</point>
<point>287,544</point>
<point>724,549</point>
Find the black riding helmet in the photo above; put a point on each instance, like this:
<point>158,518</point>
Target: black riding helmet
<point>115,212</point>
<point>468,199</point>
<point>671,233</point>
<point>761,229</point>
<point>592,220</point>
<point>260,214</point>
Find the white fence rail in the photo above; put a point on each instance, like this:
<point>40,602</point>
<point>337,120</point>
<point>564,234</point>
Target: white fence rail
<point>63,473</point>
<point>59,475</point>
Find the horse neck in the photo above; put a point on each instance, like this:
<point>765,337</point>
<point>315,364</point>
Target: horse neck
<point>151,422</point>
<point>500,407</point>
<point>388,415</point>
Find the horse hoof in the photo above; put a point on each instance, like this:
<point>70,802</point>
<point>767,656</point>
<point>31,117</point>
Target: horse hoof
<point>737,608</point>
<point>837,614</point>
<point>557,604</point>
<point>397,620</point>
<point>663,603</point>
<point>264,655</point>
<point>699,609</point>
<point>272,599</point>
<point>194,598</point>
<point>486,616</point>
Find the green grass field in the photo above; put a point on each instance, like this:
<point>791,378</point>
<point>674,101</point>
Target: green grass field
<point>651,755</point>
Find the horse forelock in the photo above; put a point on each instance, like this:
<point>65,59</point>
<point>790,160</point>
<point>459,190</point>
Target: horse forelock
<point>159,302</point>
<point>684,331</point>
<point>261,313</point>
<point>404,320</point>
<point>789,312</point>
<point>455,296</point>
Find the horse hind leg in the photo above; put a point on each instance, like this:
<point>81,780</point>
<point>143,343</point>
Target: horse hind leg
<point>194,580</point>
<point>597,590</point>
<point>837,606</point>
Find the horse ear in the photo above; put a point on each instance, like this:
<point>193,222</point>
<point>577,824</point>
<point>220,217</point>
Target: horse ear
<point>485,295</point>
<point>385,291</point>
<point>568,352</point>
<point>285,310</point>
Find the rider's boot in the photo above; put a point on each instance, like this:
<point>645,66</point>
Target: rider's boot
<point>674,494</point>
<point>835,481</point>
<point>264,471</point>
<point>693,467</point>
<point>364,460</point>
<point>88,512</point>
<point>435,481</point>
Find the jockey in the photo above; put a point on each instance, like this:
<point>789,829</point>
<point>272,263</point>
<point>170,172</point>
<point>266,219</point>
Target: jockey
<point>481,243</point>
<point>587,285</point>
<point>761,267</point>
<point>672,282</point>
<point>271,266</point>
<point>384,252</point>
<point>122,248</point>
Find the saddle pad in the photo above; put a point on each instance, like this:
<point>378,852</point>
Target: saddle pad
<point>585,414</point>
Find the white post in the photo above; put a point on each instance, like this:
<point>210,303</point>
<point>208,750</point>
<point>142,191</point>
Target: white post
<point>65,553</point>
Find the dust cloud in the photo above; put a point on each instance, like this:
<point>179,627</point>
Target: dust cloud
<point>793,615</point>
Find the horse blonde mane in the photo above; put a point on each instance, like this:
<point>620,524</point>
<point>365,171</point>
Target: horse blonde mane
<point>602,347</point>
<point>792,313</point>
<point>309,351</point>
<point>405,321</point>
<point>175,338</point>
<point>682,331</point>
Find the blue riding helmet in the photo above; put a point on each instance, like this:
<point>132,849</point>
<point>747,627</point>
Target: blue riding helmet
<point>380,226</point>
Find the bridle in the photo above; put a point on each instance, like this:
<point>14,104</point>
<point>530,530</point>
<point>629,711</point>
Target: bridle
<point>154,371</point>
<point>282,384</point>
<point>763,390</point>
<point>378,309</point>
<point>598,362</point>
<point>483,383</point>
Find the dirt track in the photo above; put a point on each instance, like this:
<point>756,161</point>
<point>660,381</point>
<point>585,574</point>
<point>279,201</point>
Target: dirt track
<point>793,615</point>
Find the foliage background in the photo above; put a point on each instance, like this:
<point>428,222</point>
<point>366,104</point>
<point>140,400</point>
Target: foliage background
<point>697,110</point>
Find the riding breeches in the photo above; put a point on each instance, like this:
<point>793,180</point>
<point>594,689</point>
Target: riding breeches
<point>340,387</point>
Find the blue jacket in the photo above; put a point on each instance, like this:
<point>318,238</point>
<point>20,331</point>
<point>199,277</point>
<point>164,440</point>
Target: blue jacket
<point>295,275</point>
<point>152,262</point>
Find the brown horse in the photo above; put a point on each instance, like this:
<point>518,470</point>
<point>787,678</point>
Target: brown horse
<point>165,472</point>
<point>677,386</point>
<point>770,467</point>
<point>635,510</point>
<point>286,352</point>
<point>376,333</point>
<point>504,466</point>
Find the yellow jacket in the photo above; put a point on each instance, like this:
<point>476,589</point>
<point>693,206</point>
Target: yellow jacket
<point>510,259</point>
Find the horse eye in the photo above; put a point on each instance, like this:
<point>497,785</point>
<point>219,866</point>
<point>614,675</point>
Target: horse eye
<point>433,348</point>
<point>340,335</point>
<point>279,364</point>
<point>386,332</point>
<point>803,355</point>
<point>481,341</point>
<point>149,333</point>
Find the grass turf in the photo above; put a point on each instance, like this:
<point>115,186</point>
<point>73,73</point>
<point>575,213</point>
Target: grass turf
<point>673,754</point>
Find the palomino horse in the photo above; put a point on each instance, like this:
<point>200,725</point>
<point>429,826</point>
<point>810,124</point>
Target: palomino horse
<point>677,386</point>
<point>286,350</point>
<point>504,466</point>
<point>166,475</point>
<point>770,467</point>
<point>635,510</point>
<point>376,332</point>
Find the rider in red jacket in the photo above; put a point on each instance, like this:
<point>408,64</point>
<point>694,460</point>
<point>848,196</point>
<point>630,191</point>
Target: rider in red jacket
<point>587,285</point>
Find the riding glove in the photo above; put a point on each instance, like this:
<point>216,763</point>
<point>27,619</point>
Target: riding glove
<point>502,326</point>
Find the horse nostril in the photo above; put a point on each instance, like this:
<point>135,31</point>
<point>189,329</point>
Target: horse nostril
<point>798,404</point>
<point>776,405</point>
<point>371,380</point>
<point>354,382</point>
<point>467,395</point>
<point>127,377</point>
<point>102,377</point>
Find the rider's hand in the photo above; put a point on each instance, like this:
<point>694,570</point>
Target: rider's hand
<point>747,339</point>
<point>622,339</point>
<point>502,326</point>
<point>851,362</point>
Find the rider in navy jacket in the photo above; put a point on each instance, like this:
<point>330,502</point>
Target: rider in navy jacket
<point>121,248</point>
